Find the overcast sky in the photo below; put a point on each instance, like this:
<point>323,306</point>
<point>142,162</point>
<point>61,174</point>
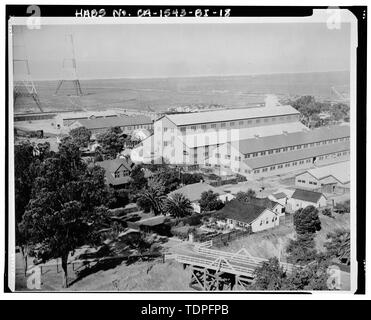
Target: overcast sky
<point>168,50</point>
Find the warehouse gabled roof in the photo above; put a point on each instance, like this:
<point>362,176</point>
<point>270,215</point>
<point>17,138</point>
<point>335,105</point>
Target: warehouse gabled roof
<point>190,118</point>
<point>111,122</point>
<point>240,211</point>
<point>306,195</point>
<point>291,139</point>
<point>296,155</point>
<point>87,114</point>
<point>221,136</point>
<point>340,171</point>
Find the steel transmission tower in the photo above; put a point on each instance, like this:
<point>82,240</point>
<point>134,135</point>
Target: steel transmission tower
<point>69,73</point>
<point>22,80</point>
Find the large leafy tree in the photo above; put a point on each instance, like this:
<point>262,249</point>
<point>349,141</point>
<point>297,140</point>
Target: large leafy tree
<point>178,206</point>
<point>27,158</point>
<point>65,210</point>
<point>23,176</point>
<point>138,180</point>
<point>209,201</point>
<point>117,198</point>
<point>112,142</point>
<point>81,136</point>
<point>302,250</point>
<point>170,178</point>
<point>338,245</point>
<point>245,196</point>
<point>313,276</point>
<point>307,220</point>
<point>269,276</point>
<point>340,111</point>
<point>189,178</point>
<point>309,107</point>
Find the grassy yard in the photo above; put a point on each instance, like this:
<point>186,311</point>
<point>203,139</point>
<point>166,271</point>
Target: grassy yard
<point>115,276</point>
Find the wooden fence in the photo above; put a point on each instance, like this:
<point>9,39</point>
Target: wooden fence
<point>223,239</point>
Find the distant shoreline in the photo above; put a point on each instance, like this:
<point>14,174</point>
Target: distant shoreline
<point>203,76</point>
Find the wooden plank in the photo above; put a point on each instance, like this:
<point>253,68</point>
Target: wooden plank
<point>239,258</point>
<point>221,267</point>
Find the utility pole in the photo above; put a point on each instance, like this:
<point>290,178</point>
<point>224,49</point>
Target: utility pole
<point>22,80</point>
<point>69,68</point>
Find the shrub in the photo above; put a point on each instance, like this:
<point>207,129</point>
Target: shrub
<point>193,220</point>
<point>240,178</point>
<point>209,201</point>
<point>181,232</point>
<point>342,207</point>
<point>327,212</point>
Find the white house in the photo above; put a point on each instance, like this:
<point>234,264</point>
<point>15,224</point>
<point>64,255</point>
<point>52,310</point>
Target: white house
<point>304,198</point>
<point>194,191</point>
<point>241,215</point>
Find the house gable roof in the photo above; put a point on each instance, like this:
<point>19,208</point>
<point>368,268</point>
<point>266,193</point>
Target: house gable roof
<point>114,164</point>
<point>240,211</point>
<point>193,191</point>
<point>111,166</point>
<point>279,195</point>
<point>264,202</point>
<point>307,195</point>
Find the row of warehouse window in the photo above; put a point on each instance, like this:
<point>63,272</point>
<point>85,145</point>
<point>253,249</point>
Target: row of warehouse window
<point>310,182</point>
<point>137,126</point>
<point>238,158</point>
<point>285,165</point>
<point>124,128</point>
<point>300,162</point>
<point>232,124</point>
<point>292,148</point>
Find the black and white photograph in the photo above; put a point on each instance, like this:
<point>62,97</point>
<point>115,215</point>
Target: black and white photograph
<point>183,150</point>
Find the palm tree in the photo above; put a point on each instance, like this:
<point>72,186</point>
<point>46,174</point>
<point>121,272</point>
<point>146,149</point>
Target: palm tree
<point>153,196</point>
<point>178,206</point>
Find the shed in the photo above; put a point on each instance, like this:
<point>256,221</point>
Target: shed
<point>303,198</point>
